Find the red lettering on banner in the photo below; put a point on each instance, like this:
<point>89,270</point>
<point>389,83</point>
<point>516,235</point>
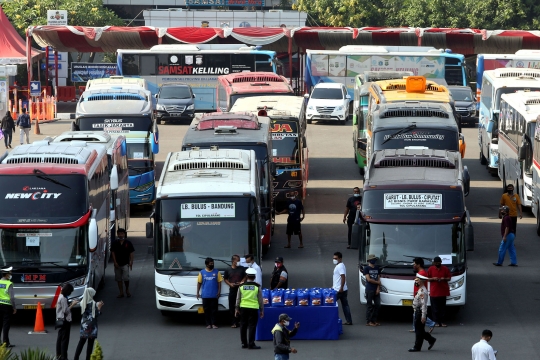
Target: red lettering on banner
<point>27,277</point>
<point>175,70</point>
<point>277,128</point>
<point>283,160</point>
<point>42,277</point>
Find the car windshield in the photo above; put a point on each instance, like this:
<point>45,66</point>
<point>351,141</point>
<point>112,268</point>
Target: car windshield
<point>438,139</point>
<point>327,93</point>
<point>462,95</point>
<point>285,141</point>
<point>190,230</point>
<point>175,92</point>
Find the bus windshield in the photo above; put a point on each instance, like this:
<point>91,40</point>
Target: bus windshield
<point>116,123</point>
<point>140,158</point>
<point>39,248</point>
<point>509,90</point>
<point>285,140</point>
<point>29,199</point>
<point>190,229</point>
<point>400,243</point>
<point>438,139</point>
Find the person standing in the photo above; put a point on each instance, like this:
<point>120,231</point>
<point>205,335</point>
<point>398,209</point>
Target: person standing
<point>234,276</point>
<point>8,128</point>
<point>340,285</point>
<point>89,329</point>
<point>420,315</point>
<point>372,273</point>
<point>418,268</point>
<point>280,275</point>
<point>354,203</point>
<point>209,288</point>
<point>508,236</point>
<point>439,276</point>
<point>123,253</point>
<point>24,123</point>
<point>250,263</point>
<point>248,304</point>
<point>7,304</point>
<point>482,350</point>
<point>282,338</point>
<point>513,201</point>
<point>294,208</point>
<point>63,312</point>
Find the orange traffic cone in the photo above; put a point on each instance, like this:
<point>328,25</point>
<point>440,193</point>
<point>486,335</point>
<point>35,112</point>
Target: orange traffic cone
<point>39,327</point>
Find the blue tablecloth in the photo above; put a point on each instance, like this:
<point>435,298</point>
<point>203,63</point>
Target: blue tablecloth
<point>316,322</point>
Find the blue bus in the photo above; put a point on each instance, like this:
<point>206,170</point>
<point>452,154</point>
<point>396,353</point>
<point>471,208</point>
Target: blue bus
<point>125,110</point>
<point>197,65</point>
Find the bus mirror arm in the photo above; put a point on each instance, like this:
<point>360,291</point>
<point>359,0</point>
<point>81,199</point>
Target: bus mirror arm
<point>273,169</point>
<point>523,151</point>
<point>114,178</point>
<point>469,233</point>
<point>93,232</point>
<point>149,230</point>
<point>489,127</point>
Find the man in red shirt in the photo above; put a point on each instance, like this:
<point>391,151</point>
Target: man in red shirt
<point>438,275</point>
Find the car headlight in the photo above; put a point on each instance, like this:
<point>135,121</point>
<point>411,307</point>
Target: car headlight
<point>166,292</point>
<point>191,107</point>
<point>160,107</point>
<point>144,187</point>
<point>471,107</point>
<point>310,107</point>
<point>339,108</point>
<point>457,284</point>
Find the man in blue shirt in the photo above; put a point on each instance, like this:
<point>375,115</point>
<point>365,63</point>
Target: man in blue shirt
<point>24,124</point>
<point>294,208</point>
<point>372,273</point>
<point>209,288</point>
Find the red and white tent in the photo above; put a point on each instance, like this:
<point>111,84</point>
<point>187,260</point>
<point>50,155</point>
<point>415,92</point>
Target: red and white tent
<point>12,46</point>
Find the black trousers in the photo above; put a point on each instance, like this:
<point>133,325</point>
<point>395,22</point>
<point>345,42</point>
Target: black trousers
<point>233,292</point>
<point>421,333</point>
<point>438,308</point>
<point>62,341</point>
<point>514,222</point>
<point>248,319</point>
<point>89,348</point>
<point>210,306</point>
<point>349,233</point>
<point>373,306</point>
<point>6,311</point>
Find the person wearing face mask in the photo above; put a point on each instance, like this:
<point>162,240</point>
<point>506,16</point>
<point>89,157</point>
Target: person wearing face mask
<point>354,203</point>
<point>282,338</point>
<point>339,280</point>
<point>513,201</point>
<point>209,288</point>
<point>7,304</point>
<point>508,236</point>
<point>249,262</point>
<point>420,315</point>
<point>294,208</point>
<point>439,276</point>
<point>280,275</point>
<point>372,273</point>
<point>234,276</point>
<point>418,268</point>
<point>249,303</point>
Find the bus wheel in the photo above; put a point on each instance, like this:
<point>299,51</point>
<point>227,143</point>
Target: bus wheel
<point>483,160</point>
<point>538,222</point>
<point>265,249</point>
<point>166,313</point>
<point>362,171</point>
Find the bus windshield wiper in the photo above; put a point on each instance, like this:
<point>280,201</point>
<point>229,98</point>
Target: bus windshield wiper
<point>223,261</point>
<point>410,127</point>
<point>44,176</point>
<point>135,169</point>
<point>421,257</point>
<point>32,263</point>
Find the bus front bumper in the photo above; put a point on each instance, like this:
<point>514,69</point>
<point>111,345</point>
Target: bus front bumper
<point>187,303</point>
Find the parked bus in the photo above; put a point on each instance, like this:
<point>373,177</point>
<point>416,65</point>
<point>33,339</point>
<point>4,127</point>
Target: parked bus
<point>239,131</point>
<point>54,217</point>
<point>207,205</point>
<point>126,111</point>
<point>413,206</point>
<point>360,109</point>
<point>116,157</point>
<point>517,127</point>
<point>345,64</point>
<point>494,84</point>
<point>535,204</point>
<point>521,59</point>
<point>232,87</point>
<point>289,146</point>
<point>197,65</point>
<point>116,80</point>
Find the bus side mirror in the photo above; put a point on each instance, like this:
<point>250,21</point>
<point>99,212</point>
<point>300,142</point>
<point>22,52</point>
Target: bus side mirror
<point>93,233</point>
<point>273,169</point>
<point>489,127</point>
<point>156,96</point>
<point>306,96</point>
<point>469,234</point>
<point>304,142</point>
<point>523,151</point>
<point>154,142</point>
<point>149,230</point>
<point>262,225</point>
<point>466,181</point>
<point>123,148</point>
<point>114,178</point>
<point>74,127</point>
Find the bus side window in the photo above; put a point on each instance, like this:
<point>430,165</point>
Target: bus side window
<point>148,64</point>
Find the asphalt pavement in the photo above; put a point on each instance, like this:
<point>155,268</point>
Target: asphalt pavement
<point>503,299</point>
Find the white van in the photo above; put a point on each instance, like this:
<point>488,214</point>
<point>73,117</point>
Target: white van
<point>328,101</point>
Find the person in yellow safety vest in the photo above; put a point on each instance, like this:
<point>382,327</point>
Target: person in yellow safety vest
<point>248,303</point>
<point>7,303</point>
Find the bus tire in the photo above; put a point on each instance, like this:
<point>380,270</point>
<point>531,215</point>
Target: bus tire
<point>361,170</point>
<point>483,160</point>
<point>538,222</point>
<point>166,313</point>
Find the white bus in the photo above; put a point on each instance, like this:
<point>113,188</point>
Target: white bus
<point>494,84</point>
<point>207,205</point>
<point>517,126</point>
<point>116,80</point>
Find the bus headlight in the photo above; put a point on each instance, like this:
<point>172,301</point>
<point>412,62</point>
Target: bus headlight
<point>191,107</point>
<point>456,284</point>
<point>167,292</point>
<point>144,187</point>
<point>471,107</point>
<point>160,107</point>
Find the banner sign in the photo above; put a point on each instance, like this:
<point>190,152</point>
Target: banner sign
<point>57,17</point>
<point>238,3</point>
<point>207,210</point>
<point>82,72</point>
<point>412,201</point>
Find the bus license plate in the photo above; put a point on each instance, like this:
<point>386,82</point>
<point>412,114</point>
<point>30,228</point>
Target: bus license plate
<point>31,307</point>
<point>406,302</point>
<point>200,310</point>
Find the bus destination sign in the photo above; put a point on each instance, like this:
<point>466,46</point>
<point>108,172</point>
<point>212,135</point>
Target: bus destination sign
<point>225,2</point>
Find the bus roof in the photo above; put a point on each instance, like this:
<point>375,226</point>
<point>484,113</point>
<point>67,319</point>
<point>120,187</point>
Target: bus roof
<point>115,101</point>
<point>527,103</point>
<point>370,76</point>
<point>100,137</point>
<point>209,172</point>
<point>117,80</point>
<point>397,90</point>
<point>513,77</point>
<point>275,106</point>
<point>197,48</point>
<point>255,82</point>
<point>387,50</point>
<point>401,114</point>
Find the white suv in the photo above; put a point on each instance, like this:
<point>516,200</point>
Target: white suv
<point>328,101</point>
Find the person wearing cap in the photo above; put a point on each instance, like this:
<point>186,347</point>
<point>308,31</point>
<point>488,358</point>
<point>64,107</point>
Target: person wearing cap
<point>282,338</point>
<point>280,275</point>
<point>249,302</point>
<point>508,236</point>
<point>418,268</point>
<point>7,304</point>
<point>420,315</point>
<point>439,276</point>
<point>513,202</point>
<point>372,273</point>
